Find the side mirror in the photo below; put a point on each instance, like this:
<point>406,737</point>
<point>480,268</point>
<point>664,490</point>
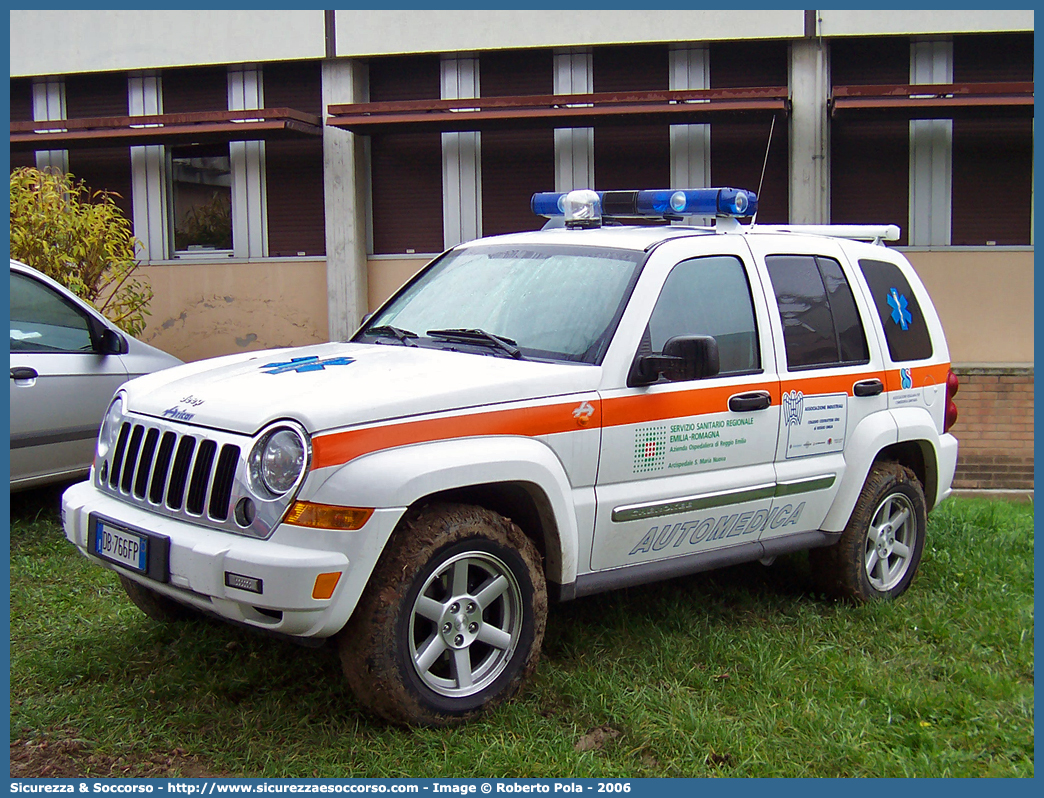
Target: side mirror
<point>685,357</point>
<point>112,343</point>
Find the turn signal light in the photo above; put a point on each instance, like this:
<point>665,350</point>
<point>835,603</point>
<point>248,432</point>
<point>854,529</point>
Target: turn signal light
<point>325,584</point>
<point>327,516</point>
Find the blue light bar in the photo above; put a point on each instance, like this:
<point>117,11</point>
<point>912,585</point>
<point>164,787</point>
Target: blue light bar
<point>546,203</point>
<point>659,203</point>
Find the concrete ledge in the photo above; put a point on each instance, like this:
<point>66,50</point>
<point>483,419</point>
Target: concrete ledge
<point>998,494</point>
<point>993,371</point>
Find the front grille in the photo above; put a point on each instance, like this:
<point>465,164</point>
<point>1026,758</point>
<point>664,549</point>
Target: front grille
<point>181,473</point>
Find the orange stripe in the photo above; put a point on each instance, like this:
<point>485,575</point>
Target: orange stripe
<point>677,404</point>
<point>341,447</point>
<point>337,448</point>
<point>921,376</point>
<point>834,383</point>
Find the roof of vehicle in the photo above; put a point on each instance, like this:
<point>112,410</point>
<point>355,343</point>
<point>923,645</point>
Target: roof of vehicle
<point>616,236</point>
<point>643,237</point>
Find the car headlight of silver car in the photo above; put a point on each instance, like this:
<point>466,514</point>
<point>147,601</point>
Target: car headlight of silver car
<point>110,428</point>
<point>279,459</point>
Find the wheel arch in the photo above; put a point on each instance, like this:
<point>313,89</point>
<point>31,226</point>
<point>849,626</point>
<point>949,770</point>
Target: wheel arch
<point>518,478</point>
<point>919,457</point>
<point>524,503</point>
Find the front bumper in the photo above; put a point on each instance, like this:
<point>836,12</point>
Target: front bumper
<point>287,563</point>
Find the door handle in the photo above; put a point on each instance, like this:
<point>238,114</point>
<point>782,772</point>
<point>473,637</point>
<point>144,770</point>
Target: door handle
<point>746,402</point>
<point>868,388</point>
<point>23,373</point>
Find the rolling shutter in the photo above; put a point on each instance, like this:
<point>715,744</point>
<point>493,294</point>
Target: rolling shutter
<point>109,168</point>
<point>195,89</point>
<point>515,163</point>
<point>406,168</point>
<point>294,168</point>
<point>22,111</point>
<point>870,159</point>
<point>992,158</point>
<point>631,156</point>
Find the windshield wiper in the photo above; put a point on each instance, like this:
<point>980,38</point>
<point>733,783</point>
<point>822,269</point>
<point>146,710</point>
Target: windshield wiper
<point>387,331</point>
<point>476,336</point>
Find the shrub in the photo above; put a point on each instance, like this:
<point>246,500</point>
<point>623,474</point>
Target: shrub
<point>82,240</point>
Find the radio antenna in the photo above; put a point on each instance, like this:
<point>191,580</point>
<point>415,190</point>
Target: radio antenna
<point>764,164</point>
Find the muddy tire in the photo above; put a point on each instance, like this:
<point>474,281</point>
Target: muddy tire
<point>880,549</point>
<point>159,608</point>
<point>451,621</point>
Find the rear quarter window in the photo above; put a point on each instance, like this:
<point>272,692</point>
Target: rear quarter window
<point>898,311</point>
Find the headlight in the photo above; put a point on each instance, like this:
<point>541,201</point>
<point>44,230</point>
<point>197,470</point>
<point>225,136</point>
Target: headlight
<point>278,459</point>
<point>110,428</point>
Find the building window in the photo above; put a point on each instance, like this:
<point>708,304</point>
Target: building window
<point>690,144</point>
<point>204,199</point>
<point>201,199</point>
<point>48,105</point>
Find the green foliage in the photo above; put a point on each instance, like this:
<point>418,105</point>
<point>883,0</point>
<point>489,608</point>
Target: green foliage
<point>81,239</point>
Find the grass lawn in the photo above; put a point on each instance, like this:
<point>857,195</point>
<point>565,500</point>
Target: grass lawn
<point>742,672</point>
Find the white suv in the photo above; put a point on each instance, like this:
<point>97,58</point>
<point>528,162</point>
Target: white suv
<point>534,416</point>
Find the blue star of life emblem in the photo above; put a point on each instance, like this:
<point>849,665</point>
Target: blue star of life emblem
<point>900,315</point>
<point>301,364</point>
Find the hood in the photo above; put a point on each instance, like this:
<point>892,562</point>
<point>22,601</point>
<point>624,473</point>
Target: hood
<point>342,384</point>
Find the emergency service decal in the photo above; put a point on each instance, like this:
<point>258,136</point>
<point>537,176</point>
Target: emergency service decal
<point>692,443</point>
<point>685,533</point>
<point>650,448</point>
<point>815,424</point>
<point>302,364</point>
<point>898,303</point>
<point>583,414</point>
<point>906,396</point>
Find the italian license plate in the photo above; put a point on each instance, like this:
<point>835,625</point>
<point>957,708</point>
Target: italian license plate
<point>121,546</point>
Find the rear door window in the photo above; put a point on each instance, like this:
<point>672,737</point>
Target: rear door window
<point>821,325</point>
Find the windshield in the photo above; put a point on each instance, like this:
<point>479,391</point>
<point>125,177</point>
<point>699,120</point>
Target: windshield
<point>552,302</point>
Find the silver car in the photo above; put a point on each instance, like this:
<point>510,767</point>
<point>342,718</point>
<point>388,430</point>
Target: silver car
<point>67,360</point>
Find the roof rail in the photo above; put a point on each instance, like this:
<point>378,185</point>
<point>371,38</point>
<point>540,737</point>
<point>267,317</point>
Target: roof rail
<point>875,233</point>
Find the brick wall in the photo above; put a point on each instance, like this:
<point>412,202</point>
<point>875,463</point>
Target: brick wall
<point>995,428</point>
